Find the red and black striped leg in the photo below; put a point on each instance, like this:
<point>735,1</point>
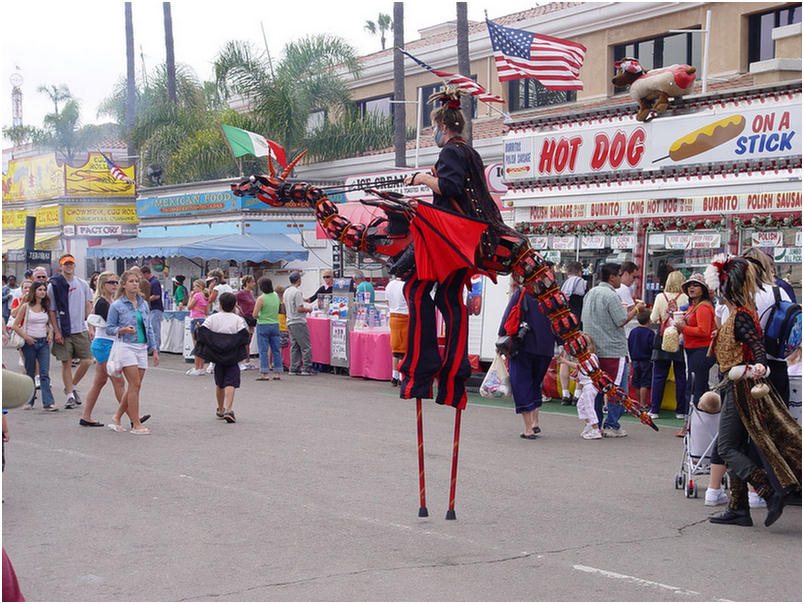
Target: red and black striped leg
<point>454,476</point>
<point>420,434</point>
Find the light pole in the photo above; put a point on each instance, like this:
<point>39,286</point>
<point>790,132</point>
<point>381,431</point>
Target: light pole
<point>418,123</point>
<point>705,60</point>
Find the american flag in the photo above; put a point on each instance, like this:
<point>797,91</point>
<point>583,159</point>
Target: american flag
<point>116,172</point>
<point>460,81</point>
<point>523,54</point>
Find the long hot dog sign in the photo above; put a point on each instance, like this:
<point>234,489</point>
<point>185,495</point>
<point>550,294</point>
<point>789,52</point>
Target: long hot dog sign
<point>759,131</point>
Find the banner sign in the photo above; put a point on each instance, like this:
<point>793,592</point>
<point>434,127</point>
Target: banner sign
<point>767,239</point>
<point>538,242</point>
<point>798,238</point>
<point>742,203</point>
<point>552,256</point>
<point>563,243</point>
<point>695,241</point>
<point>751,132</point>
<point>593,242</point>
<point>623,242</point>
<point>94,179</point>
<point>202,203</point>
<point>787,255</point>
<point>120,214</point>
<point>677,242</point>
<point>46,216</point>
<point>32,178</point>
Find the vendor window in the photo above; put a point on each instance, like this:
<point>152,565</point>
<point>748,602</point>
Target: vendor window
<point>760,26</point>
<point>530,93</point>
<point>662,51</point>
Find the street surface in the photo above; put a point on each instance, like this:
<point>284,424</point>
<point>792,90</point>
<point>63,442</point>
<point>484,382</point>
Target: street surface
<point>313,496</point>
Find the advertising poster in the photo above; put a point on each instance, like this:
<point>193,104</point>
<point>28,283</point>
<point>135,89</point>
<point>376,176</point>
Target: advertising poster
<point>32,178</point>
<point>93,179</point>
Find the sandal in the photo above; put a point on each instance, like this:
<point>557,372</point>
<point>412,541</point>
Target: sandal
<point>116,427</point>
<point>140,431</point>
<point>27,406</point>
<point>263,379</point>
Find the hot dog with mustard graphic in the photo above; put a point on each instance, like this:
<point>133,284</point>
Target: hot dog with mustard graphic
<point>706,138</point>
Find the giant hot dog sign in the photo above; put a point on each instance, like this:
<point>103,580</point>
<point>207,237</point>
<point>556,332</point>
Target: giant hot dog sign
<point>750,132</point>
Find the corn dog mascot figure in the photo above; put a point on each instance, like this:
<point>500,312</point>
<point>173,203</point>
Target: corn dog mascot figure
<point>653,89</point>
<point>751,407</point>
<point>437,247</point>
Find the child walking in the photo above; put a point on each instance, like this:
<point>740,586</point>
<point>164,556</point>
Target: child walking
<point>222,340</point>
<point>586,400</point>
<point>640,347</point>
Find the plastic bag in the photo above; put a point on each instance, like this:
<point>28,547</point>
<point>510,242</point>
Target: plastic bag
<point>670,339</point>
<point>496,384</point>
<point>114,366</point>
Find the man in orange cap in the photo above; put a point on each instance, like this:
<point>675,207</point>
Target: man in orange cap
<point>70,305</point>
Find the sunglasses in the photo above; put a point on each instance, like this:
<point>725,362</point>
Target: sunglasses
<point>112,282</point>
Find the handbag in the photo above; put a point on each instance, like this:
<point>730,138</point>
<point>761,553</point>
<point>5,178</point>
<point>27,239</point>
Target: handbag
<point>497,382</point>
<point>114,365</point>
<point>15,340</point>
<point>515,329</point>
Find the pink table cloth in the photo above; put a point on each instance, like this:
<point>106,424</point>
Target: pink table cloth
<point>319,338</point>
<point>370,354</point>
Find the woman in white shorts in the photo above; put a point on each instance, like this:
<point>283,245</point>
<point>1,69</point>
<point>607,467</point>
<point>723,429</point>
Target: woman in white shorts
<point>128,321</point>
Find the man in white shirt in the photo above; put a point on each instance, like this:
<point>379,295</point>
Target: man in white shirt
<point>301,348</point>
<point>628,274</point>
<point>398,322</point>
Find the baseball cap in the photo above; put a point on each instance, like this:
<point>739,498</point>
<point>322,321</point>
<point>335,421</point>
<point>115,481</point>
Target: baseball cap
<point>66,259</point>
<point>28,273</point>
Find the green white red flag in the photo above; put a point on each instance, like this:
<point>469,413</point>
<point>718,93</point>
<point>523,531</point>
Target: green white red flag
<point>242,142</point>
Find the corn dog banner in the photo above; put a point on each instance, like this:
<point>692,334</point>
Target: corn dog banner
<point>759,131</point>
<point>578,209</point>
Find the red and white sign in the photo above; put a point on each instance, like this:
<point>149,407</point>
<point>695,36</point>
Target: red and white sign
<point>705,241</point>
<point>750,132</point>
<point>623,242</point>
<point>538,242</point>
<point>677,242</point>
<point>593,242</point>
<point>563,243</point>
<point>767,239</point>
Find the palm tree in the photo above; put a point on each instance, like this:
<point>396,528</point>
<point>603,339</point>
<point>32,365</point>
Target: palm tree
<point>304,81</point>
<point>57,94</point>
<point>399,87</point>
<point>382,25</point>
<point>170,59</point>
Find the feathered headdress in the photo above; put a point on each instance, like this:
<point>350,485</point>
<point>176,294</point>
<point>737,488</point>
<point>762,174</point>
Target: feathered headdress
<point>449,96</point>
<point>733,278</point>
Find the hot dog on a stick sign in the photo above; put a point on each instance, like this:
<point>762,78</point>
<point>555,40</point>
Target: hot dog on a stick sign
<point>722,135</point>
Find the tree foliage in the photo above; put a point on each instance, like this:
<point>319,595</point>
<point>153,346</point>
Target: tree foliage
<point>382,25</point>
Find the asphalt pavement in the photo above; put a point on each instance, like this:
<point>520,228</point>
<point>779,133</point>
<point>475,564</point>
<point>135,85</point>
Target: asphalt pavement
<point>313,496</point>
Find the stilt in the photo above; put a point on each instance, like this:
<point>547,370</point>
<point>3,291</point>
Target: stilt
<point>454,477</point>
<point>420,433</point>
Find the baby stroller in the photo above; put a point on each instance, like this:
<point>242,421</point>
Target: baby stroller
<point>699,441</point>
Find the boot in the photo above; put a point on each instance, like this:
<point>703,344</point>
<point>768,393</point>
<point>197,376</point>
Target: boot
<point>737,511</point>
<point>738,517</point>
<point>775,501</point>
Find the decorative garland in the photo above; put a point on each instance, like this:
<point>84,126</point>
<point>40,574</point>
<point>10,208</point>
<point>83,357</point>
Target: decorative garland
<point>680,224</point>
<point>767,222</point>
<point>567,228</point>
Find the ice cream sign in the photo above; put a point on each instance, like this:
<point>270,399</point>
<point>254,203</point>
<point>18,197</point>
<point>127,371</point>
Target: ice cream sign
<point>750,132</point>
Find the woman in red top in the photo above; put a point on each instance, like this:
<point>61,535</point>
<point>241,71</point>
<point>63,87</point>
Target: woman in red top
<point>698,327</point>
<point>245,305</point>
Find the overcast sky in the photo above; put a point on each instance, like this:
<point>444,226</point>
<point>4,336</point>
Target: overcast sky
<point>81,43</point>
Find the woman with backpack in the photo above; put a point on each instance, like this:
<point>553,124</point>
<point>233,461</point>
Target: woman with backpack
<point>529,365</point>
<point>666,303</point>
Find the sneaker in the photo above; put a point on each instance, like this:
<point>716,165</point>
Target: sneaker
<point>614,432</point>
<point>190,371</point>
<point>219,414</point>
<point>592,434</point>
<point>653,415</point>
<point>566,402</point>
<point>306,373</point>
<point>243,366</point>
<point>755,501</point>
<point>680,416</point>
<point>294,372</point>
<point>251,365</point>
<point>77,398</point>
<point>546,399</point>
<point>229,416</point>
<point>70,404</point>
<point>715,497</point>
<point>36,381</point>
<point>210,368</point>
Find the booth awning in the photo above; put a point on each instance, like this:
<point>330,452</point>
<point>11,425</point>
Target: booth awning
<point>240,248</point>
<point>12,243</point>
<point>18,243</point>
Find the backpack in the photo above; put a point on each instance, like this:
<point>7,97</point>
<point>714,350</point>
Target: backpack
<point>783,330</point>
<point>515,329</point>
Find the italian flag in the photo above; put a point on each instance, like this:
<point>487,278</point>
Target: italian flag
<point>243,142</point>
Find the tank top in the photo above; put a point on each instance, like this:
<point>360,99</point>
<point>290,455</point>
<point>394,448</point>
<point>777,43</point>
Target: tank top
<point>37,324</point>
<point>269,311</point>
<point>200,309</point>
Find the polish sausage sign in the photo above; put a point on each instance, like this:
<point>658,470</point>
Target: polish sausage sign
<point>749,132</point>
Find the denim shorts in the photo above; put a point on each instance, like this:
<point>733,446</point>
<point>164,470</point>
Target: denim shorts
<point>101,347</point>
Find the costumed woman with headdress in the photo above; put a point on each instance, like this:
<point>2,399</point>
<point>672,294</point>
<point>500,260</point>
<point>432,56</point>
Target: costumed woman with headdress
<point>458,187</point>
<point>751,406</point>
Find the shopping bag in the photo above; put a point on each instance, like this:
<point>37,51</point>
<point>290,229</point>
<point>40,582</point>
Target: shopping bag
<point>670,339</point>
<point>496,384</point>
<point>114,366</point>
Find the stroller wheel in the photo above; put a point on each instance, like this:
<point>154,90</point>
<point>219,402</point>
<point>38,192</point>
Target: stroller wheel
<point>691,491</point>
<point>679,481</point>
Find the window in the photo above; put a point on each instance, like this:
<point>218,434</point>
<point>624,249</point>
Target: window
<point>380,105</point>
<point>428,107</point>
<point>662,51</point>
<point>528,93</point>
<point>315,120</point>
<point>760,26</point>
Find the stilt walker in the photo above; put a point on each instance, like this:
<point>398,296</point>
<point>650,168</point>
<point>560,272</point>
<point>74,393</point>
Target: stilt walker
<point>441,245</point>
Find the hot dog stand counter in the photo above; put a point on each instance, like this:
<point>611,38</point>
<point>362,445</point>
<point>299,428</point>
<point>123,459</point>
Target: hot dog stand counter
<point>669,193</point>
